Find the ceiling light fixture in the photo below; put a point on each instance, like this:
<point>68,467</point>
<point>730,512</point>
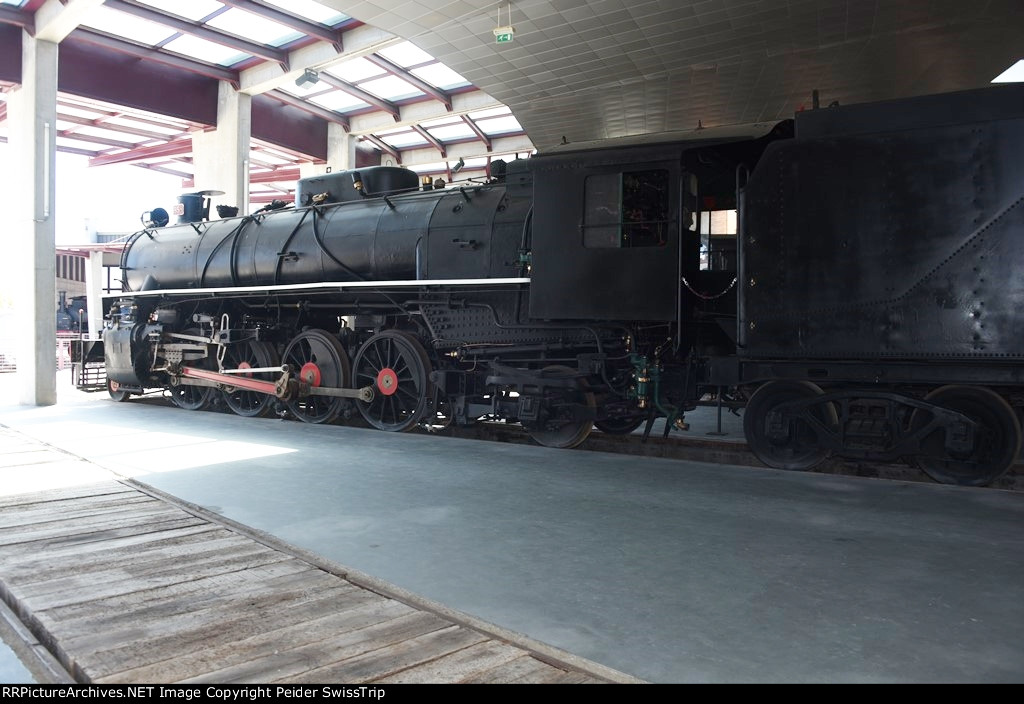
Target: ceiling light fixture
<point>308,76</point>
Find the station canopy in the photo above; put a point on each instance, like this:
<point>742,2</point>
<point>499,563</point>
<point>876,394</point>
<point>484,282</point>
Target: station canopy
<point>405,106</point>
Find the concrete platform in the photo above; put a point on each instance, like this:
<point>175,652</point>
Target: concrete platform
<point>666,570</point>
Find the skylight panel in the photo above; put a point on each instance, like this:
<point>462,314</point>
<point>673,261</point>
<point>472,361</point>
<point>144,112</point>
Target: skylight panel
<point>253,27</point>
<point>338,100</point>
<point>196,48</point>
<point>391,88</point>
<point>440,76</point>
<point>1014,74</point>
<point>126,26</point>
<point>406,54</point>
<point>310,10</point>
<point>355,70</point>
<point>194,10</point>
<point>449,132</point>
<point>491,112</point>
<point>430,124</point>
<point>404,140</point>
<point>497,125</point>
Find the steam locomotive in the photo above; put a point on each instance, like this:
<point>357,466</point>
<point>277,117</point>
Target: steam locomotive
<point>865,303</point>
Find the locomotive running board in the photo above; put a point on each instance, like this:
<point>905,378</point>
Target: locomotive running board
<point>283,388</point>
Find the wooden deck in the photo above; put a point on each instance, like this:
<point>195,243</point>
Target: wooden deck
<point>126,587</point>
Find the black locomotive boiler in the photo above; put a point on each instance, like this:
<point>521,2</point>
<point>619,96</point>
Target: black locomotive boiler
<point>853,274</point>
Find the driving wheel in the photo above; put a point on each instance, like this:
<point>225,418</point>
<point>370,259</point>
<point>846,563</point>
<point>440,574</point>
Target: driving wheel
<point>397,366</point>
<point>318,359</point>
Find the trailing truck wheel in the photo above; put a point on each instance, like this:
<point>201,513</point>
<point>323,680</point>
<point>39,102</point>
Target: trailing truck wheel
<point>250,354</point>
<point>563,428</point>
<point>995,445</point>
<point>115,391</point>
<point>397,366</point>
<point>318,359</point>
<point>794,445</point>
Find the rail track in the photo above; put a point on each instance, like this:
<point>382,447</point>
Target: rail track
<point>691,446</point>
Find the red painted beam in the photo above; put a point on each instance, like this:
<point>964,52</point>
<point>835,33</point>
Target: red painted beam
<point>384,146</point>
<point>432,139</point>
<point>113,127</point>
<point>19,18</point>
<point>181,146</point>
<point>96,140</point>
<point>479,132</point>
<point>289,175</point>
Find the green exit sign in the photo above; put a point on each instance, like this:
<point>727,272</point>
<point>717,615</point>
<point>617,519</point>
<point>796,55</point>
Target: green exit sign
<point>503,35</point>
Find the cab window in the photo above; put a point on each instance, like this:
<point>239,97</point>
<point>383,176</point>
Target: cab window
<point>627,209</point>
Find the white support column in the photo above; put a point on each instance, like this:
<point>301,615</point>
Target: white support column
<point>341,153</point>
<point>32,117</point>
<point>221,157</point>
<point>341,148</point>
<point>94,280</point>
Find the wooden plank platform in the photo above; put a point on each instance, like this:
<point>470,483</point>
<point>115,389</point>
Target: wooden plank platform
<point>123,585</point>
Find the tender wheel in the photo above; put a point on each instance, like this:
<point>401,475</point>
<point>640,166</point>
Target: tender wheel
<point>250,354</point>
<point>619,426</point>
<point>397,366</point>
<point>995,447</point>
<point>114,389</point>
<point>799,447</point>
<point>564,428</point>
<point>318,359</point>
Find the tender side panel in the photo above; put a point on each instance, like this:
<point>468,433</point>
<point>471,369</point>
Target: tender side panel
<point>900,244</point>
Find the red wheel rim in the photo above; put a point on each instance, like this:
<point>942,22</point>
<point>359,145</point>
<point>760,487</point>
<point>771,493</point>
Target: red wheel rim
<point>310,374</point>
<point>387,381</point>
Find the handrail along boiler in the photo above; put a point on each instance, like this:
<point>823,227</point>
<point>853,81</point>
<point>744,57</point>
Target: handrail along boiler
<point>852,274</point>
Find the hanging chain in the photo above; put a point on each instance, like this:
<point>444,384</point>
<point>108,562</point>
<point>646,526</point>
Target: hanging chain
<point>705,297</point>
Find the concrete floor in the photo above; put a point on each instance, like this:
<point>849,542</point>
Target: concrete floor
<point>12,669</point>
<point>670,571</point>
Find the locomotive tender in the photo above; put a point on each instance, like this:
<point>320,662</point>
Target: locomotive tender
<point>867,303</point>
